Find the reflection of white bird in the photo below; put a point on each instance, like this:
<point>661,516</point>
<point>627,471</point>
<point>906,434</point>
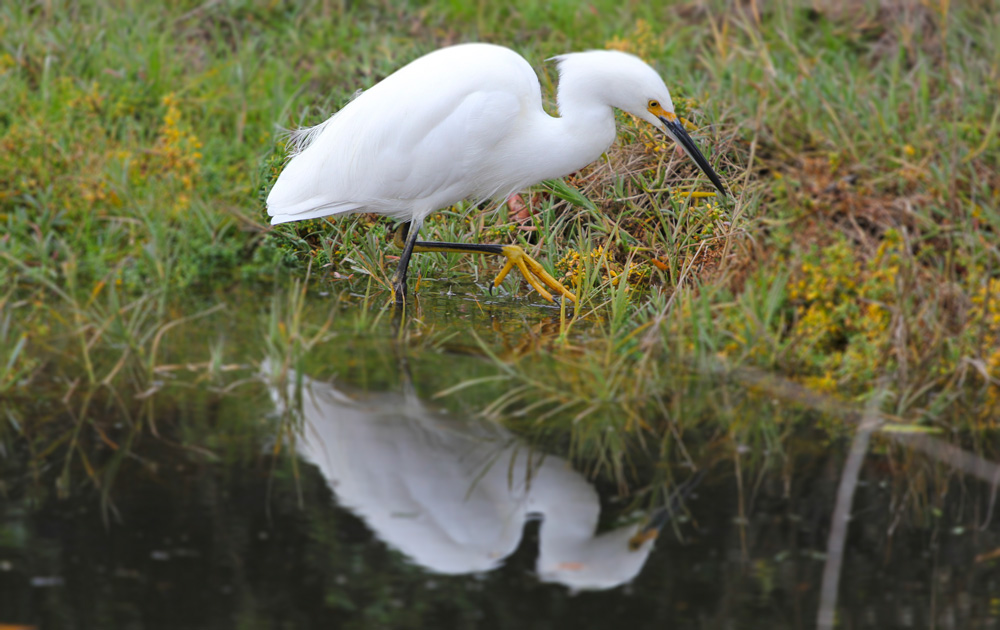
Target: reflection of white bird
<point>467,122</point>
<point>453,496</point>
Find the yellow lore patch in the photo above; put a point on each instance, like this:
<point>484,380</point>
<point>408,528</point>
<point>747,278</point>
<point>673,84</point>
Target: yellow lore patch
<point>657,110</point>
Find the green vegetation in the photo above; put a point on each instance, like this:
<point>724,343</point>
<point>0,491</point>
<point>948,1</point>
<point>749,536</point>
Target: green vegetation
<point>149,316</point>
<point>138,141</point>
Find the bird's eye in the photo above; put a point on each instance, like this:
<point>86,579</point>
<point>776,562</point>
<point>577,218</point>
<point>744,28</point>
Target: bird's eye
<point>654,104</point>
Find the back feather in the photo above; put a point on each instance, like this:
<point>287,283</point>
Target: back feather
<point>298,140</point>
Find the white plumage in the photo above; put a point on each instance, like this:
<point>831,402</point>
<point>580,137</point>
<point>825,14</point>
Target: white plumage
<point>465,122</point>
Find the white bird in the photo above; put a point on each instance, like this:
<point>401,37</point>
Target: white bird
<point>466,122</point>
<point>453,496</point>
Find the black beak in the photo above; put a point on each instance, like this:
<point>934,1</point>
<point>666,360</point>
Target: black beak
<point>676,131</point>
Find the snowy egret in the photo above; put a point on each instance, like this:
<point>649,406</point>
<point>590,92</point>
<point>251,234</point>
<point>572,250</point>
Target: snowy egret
<point>454,496</point>
<point>466,122</point>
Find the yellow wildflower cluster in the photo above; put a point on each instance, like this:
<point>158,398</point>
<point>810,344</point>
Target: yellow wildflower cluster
<point>642,42</point>
<point>498,233</point>
<point>682,106</point>
<point>985,316</point>
<point>984,319</point>
<point>825,383</point>
<point>91,100</point>
<point>843,311</point>
<point>714,210</point>
<point>654,142</point>
<point>68,170</point>
<point>574,266</point>
<point>96,192</point>
<point>705,209</point>
<point>986,306</point>
<point>6,62</point>
<point>178,151</point>
<point>711,214</point>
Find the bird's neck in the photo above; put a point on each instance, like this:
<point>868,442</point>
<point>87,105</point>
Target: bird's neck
<point>569,549</point>
<point>578,136</point>
<point>586,110</point>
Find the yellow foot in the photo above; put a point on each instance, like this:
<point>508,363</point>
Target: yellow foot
<point>532,272</point>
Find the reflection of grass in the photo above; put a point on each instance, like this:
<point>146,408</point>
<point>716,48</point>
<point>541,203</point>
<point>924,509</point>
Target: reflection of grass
<point>15,365</point>
<point>646,424</point>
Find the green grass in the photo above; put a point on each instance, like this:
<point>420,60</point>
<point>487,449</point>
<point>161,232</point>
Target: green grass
<point>138,141</point>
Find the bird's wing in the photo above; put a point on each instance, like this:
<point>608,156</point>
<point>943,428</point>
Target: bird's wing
<point>411,144</point>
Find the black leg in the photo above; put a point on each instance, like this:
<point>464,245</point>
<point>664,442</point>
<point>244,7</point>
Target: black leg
<point>537,277</point>
<point>408,231</point>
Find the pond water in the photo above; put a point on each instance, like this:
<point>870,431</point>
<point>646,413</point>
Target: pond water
<point>310,462</point>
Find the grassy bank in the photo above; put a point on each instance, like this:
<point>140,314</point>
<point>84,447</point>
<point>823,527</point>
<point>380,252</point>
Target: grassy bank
<point>138,142</point>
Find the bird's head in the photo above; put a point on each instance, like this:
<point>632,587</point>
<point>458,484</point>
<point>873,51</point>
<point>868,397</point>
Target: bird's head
<point>630,84</point>
<point>664,118</point>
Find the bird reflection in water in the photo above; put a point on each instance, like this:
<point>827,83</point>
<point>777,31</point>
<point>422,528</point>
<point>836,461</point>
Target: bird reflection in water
<point>453,495</point>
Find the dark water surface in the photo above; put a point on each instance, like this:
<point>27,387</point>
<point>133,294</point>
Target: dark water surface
<point>275,474</point>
